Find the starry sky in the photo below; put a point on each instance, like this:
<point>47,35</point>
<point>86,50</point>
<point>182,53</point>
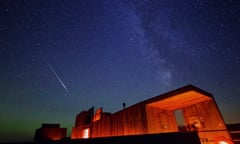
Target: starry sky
<point>59,57</point>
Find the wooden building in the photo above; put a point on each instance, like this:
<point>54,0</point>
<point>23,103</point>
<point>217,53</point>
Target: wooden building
<point>158,115</point>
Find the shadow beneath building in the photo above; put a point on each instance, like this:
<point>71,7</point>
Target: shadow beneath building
<point>163,138</point>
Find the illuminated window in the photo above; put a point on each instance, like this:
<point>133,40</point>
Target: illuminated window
<point>97,115</point>
<point>86,133</point>
<point>222,142</point>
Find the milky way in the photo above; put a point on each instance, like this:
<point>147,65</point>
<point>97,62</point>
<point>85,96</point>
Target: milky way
<point>110,52</point>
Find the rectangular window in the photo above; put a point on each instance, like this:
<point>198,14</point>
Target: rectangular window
<point>86,133</point>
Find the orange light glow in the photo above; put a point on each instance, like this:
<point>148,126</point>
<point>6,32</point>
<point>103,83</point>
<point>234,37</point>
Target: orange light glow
<point>54,138</point>
<point>97,115</point>
<point>86,133</point>
<point>222,142</point>
<point>180,100</point>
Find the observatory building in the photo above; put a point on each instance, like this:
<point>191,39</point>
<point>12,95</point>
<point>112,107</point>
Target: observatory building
<point>196,107</point>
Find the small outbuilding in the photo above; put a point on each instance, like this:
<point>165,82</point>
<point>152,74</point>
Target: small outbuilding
<point>50,132</point>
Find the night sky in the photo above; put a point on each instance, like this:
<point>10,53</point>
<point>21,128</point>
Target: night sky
<point>59,57</point>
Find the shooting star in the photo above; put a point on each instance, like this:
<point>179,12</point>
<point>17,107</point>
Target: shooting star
<point>59,79</point>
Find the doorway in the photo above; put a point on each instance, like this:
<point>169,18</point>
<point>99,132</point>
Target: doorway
<point>180,120</point>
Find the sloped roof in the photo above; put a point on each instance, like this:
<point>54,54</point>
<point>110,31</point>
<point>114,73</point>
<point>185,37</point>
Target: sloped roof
<point>176,99</point>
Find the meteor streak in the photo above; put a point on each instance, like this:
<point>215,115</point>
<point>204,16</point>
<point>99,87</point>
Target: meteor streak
<point>59,79</point>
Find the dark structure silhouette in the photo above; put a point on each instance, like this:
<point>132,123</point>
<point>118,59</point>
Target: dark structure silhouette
<point>234,130</point>
<point>50,132</point>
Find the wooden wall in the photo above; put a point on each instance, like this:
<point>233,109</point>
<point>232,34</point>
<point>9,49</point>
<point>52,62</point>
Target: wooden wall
<point>77,132</point>
<point>207,117</point>
<point>160,121</point>
<point>130,121</point>
<point>206,113</point>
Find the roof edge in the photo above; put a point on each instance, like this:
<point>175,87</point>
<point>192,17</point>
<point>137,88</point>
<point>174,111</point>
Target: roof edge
<point>183,89</point>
